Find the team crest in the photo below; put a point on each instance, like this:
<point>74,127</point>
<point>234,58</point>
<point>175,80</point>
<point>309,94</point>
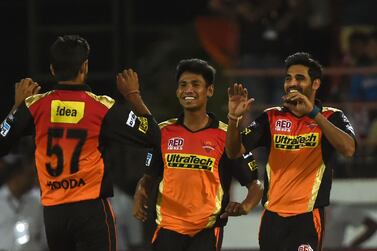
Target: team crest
<point>208,146</point>
<point>175,143</point>
<point>311,125</point>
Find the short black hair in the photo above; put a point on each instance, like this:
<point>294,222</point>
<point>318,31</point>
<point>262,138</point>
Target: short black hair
<point>304,58</point>
<point>197,66</point>
<point>67,54</point>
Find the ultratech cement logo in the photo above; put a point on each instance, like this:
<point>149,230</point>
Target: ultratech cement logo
<point>288,142</point>
<point>189,161</point>
<point>65,184</point>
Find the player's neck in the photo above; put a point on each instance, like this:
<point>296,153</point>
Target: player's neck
<point>70,83</point>
<point>78,80</point>
<point>196,120</point>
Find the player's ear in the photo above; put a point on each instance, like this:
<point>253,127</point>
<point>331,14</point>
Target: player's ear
<point>210,90</point>
<point>84,67</point>
<point>52,70</point>
<point>316,84</point>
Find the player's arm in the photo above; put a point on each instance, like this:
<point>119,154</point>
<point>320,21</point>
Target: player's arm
<point>338,138</point>
<point>300,105</point>
<point>254,195</point>
<point>144,128</point>
<point>245,170</point>
<point>17,123</point>
<point>142,195</point>
<point>154,168</point>
<point>128,85</point>
<point>238,105</point>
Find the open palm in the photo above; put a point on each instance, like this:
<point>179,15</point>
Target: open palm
<point>238,101</point>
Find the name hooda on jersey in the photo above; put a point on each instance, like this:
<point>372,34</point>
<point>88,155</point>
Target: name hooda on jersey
<point>70,112</point>
<point>289,142</point>
<point>189,161</point>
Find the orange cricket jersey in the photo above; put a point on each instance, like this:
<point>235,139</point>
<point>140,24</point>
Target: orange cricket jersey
<point>69,164</point>
<point>297,178</point>
<point>72,128</point>
<point>196,176</point>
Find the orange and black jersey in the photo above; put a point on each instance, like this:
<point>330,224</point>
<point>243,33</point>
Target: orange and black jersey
<point>297,176</point>
<point>196,176</point>
<point>72,128</point>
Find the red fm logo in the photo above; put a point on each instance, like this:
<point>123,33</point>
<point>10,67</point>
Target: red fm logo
<point>175,143</point>
<point>305,247</point>
<point>283,125</point>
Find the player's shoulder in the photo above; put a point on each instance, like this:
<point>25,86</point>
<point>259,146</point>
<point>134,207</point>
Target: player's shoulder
<point>222,126</point>
<point>274,109</point>
<point>103,99</point>
<point>330,109</point>
<point>29,101</point>
<point>168,122</point>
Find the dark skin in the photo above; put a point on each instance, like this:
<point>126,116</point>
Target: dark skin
<point>127,83</point>
<point>300,102</point>
<point>193,93</point>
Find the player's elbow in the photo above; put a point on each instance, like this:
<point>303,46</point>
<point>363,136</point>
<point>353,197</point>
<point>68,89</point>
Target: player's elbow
<point>349,150</point>
<point>259,189</point>
<point>231,154</point>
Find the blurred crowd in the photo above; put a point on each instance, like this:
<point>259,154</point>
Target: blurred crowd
<point>258,35</point>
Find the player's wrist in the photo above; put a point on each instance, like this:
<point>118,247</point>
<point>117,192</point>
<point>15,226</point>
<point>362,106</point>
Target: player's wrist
<point>236,119</point>
<point>131,93</point>
<point>313,113</point>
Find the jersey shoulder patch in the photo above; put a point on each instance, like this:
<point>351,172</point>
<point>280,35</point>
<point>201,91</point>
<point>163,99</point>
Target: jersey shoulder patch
<point>103,99</point>
<point>275,108</point>
<point>168,122</point>
<point>29,101</point>
<point>330,109</point>
<point>223,126</point>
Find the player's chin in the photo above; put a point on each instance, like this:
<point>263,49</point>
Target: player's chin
<point>191,108</point>
<point>187,103</point>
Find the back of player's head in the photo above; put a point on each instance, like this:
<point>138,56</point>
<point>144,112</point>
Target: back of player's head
<point>304,58</point>
<point>67,54</point>
<point>197,66</point>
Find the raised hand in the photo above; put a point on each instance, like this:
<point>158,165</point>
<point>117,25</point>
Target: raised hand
<point>23,89</point>
<point>238,101</point>
<point>297,103</point>
<point>128,83</point>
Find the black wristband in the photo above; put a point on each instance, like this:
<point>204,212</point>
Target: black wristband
<point>314,112</point>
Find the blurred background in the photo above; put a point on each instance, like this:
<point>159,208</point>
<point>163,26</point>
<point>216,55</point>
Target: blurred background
<point>247,41</point>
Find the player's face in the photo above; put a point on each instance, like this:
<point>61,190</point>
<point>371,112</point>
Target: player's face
<point>192,91</point>
<point>297,78</point>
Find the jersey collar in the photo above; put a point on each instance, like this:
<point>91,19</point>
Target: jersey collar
<point>214,121</point>
<point>81,87</point>
<point>317,102</point>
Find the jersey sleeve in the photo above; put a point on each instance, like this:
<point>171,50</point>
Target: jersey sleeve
<point>244,169</point>
<point>16,125</point>
<point>154,165</point>
<point>121,124</point>
<point>257,133</point>
<point>341,121</point>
